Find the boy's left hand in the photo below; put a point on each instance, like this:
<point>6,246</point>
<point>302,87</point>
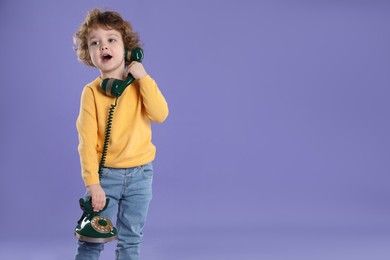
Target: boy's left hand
<point>136,69</point>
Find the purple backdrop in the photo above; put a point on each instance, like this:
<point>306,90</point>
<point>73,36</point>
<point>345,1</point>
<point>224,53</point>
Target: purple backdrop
<point>277,143</point>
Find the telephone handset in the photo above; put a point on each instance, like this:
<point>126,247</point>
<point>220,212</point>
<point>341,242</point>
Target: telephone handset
<point>115,87</point>
<point>92,227</point>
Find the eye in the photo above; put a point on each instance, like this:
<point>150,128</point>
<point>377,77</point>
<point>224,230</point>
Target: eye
<point>111,40</point>
<point>94,43</point>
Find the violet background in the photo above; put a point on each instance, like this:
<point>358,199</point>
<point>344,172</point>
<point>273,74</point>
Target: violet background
<point>276,146</point>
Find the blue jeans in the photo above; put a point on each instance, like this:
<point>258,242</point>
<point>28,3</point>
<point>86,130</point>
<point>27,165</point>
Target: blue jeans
<point>130,192</point>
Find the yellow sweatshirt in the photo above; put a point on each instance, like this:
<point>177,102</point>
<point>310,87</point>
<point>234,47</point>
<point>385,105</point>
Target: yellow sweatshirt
<point>130,142</point>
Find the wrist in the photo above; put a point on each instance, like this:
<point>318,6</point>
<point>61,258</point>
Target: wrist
<point>143,76</point>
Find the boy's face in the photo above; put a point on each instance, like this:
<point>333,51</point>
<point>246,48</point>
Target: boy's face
<point>106,49</point>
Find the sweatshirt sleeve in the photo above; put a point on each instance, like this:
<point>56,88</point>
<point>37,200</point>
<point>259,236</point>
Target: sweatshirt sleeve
<point>154,102</point>
<point>88,136</point>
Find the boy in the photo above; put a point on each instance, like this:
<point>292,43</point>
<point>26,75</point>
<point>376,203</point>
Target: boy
<point>127,176</point>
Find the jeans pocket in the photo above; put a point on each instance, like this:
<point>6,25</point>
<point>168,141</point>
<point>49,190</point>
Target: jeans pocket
<point>147,171</point>
<point>105,171</point>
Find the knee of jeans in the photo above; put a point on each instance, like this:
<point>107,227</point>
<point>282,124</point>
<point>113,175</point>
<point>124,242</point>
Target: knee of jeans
<point>91,246</point>
<point>131,236</point>
<point>125,243</point>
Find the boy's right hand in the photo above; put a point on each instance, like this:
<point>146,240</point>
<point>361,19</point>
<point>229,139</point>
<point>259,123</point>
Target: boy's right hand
<point>98,197</point>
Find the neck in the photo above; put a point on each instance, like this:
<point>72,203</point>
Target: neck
<point>115,75</point>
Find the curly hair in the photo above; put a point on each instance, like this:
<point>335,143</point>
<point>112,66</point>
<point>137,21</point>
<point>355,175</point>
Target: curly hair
<point>107,19</point>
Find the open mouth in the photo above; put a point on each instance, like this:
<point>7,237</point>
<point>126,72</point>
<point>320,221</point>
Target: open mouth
<point>106,57</point>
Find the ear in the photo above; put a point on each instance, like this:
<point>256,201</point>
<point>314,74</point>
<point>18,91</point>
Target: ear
<point>127,55</point>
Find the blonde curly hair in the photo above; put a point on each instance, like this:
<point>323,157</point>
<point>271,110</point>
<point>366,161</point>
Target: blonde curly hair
<point>106,19</point>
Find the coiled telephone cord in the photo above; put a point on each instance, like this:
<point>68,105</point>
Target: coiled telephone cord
<point>107,137</point>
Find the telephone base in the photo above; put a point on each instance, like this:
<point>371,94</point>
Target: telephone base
<point>94,239</point>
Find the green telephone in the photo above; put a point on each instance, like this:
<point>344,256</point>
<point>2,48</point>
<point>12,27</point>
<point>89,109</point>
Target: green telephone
<point>91,227</point>
<point>115,87</point>
<point>94,228</point>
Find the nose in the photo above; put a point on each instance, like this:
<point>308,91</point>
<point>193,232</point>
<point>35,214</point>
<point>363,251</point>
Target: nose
<point>103,47</point>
